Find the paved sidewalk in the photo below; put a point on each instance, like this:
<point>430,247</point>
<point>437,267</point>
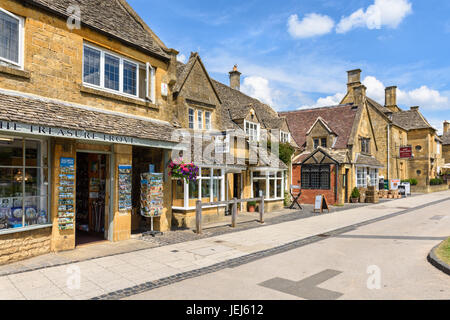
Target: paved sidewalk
<point>104,275</point>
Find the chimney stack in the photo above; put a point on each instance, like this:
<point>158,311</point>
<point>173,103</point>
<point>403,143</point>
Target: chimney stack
<point>359,94</point>
<point>446,127</point>
<point>415,108</point>
<point>354,78</point>
<point>235,78</point>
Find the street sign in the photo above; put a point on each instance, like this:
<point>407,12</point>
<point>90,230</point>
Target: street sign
<point>406,152</point>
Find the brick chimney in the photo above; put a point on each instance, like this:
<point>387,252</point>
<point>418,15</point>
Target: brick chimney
<point>359,94</point>
<point>235,78</point>
<point>446,126</point>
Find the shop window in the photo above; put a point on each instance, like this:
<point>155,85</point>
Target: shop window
<point>374,177</point>
<point>111,72</point>
<point>316,177</point>
<point>361,177</point>
<point>269,184</point>
<point>11,38</point>
<point>23,183</point>
<point>208,187</point>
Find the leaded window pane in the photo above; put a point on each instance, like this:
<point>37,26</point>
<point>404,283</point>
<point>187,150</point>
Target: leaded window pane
<point>112,76</point>
<point>129,78</point>
<point>9,37</point>
<point>91,66</point>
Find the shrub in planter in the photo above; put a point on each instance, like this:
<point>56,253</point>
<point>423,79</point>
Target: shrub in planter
<point>436,182</point>
<point>251,206</point>
<point>355,195</point>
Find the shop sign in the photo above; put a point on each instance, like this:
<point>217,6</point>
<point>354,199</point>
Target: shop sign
<point>16,127</point>
<point>406,152</point>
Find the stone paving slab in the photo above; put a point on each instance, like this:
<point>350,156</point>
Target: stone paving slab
<point>177,261</point>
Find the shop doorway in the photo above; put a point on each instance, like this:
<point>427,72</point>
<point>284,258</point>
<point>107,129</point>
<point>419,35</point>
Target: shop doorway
<point>91,199</point>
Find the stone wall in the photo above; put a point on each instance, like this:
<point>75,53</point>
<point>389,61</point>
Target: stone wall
<point>53,63</point>
<point>24,245</point>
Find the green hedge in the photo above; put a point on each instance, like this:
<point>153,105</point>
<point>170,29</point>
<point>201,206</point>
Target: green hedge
<point>436,182</point>
<point>413,182</point>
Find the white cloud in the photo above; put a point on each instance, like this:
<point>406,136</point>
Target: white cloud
<point>428,99</point>
<point>388,13</point>
<point>181,58</point>
<point>326,102</point>
<point>312,25</point>
<point>258,88</point>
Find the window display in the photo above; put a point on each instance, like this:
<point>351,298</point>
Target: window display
<point>23,183</point>
<point>269,184</point>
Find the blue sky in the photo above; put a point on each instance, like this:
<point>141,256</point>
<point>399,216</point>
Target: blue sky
<point>295,54</point>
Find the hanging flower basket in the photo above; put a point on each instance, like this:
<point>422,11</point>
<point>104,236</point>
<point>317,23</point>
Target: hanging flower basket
<point>186,171</point>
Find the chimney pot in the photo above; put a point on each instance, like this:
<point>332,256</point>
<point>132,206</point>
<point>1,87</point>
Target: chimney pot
<point>235,78</point>
<point>415,108</point>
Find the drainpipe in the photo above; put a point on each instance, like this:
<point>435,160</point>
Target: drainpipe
<point>388,150</point>
<point>336,193</point>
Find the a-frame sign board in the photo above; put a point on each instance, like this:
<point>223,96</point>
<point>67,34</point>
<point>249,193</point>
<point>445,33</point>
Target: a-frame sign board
<point>321,204</point>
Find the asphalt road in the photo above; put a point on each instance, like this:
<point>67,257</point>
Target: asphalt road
<point>383,260</point>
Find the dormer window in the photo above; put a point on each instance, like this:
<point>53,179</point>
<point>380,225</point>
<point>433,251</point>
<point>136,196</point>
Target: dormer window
<point>316,143</point>
<point>11,38</point>
<point>365,145</point>
<point>252,130</point>
<point>285,137</point>
<point>323,142</point>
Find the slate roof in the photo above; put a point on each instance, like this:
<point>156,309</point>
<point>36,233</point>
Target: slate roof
<point>410,120</point>
<point>366,160</point>
<point>446,138</point>
<point>341,156</point>
<point>339,118</point>
<point>46,112</point>
<point>113,17</point>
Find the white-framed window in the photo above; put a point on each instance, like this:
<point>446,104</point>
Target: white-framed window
<point>361,177</point>
<point>252,130</point>
<point>199,119</point>
<point>191,118</point>
<point>24,183</point>
<point>11,38</point>
<point>207,120</point>
<point>268,183</point>
<point>374,180</point>
<point>111,72</point>
<point>209,187</point>
<point>285,137</point>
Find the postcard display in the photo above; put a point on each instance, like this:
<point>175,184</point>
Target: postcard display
<point>152,197</point>
<point>125,188</point>
<point>66,194</point>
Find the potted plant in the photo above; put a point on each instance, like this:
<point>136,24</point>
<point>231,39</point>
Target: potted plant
<point>251,206</point>
<point>354,198</point>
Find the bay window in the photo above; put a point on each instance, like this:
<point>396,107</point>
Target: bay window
<point>11,38</point>
<point>23,183</point>
<point>268,183</point>
<point>209,187</point>
<point>361,177</point>
<point>111,72</point>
